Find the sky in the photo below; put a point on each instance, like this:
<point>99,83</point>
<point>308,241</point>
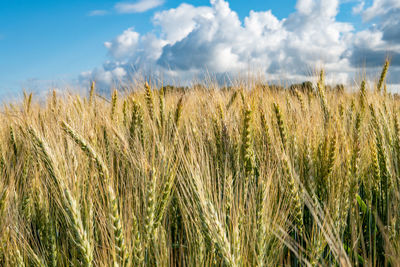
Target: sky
<point>45,44</point>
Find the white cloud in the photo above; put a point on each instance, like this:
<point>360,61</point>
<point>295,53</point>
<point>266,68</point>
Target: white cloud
<point>137,7</point>
<point>191,39</point>
<point>380,7</point>
<point>382,39</point>
<point>358,8</point>
<point>124,45</point>
<point>387,13</point>
<point>176,23</point>
<point>99,12</point>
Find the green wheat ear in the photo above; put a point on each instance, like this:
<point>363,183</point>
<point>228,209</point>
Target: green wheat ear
<point>125,112</point>
<point>149,100</point>
<point>178,111</point>
<point>114,99</point>
<point>247,150</point>
<point>13,141</point>
<point>164,199</point>
<point>363,95</point>
<point>322,80</point>
<point>232,99</point>
<point>118,229</point>
<point>383,75</point>
<point>260,223</point>
<point>281,126</point>
<point>137,245</point>
<point>71,209</point>
<point>301,100</point>
<point>114,214</point>
<point>92,91</point>
<point>295,194</point>
<point>162,106</point>
<point>150,207</point>
<point>321,94</point>
<point>265,132</point>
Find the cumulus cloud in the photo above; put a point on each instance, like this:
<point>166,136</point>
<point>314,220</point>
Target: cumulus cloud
<point>371,46</point>
<point>139,6</point>
<point>124,45</point>
<point>388,14</point>
<point>191,39</point>
<point>379,8</point>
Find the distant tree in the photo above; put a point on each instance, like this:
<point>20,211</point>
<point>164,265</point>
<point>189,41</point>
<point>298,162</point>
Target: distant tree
<point>339,88</point>
<point>295,86</point>
<point>275,88</point>
<point>175,89</point>
<point>307,87</point>
<point>303,87</point>
<point>227,88</point>
<point>262,86</point>
<point>199,87</point>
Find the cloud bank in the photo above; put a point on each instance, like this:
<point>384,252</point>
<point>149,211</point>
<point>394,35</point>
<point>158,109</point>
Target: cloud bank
<point>191,39</point>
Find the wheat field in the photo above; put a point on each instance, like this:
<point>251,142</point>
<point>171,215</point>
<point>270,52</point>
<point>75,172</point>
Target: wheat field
<point>202,177</point>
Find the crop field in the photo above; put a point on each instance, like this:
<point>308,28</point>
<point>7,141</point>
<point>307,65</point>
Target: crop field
<point>205,176</point>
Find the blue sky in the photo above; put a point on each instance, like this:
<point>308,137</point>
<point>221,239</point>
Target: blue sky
<point>58,39</point>
<point>48,42</point>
